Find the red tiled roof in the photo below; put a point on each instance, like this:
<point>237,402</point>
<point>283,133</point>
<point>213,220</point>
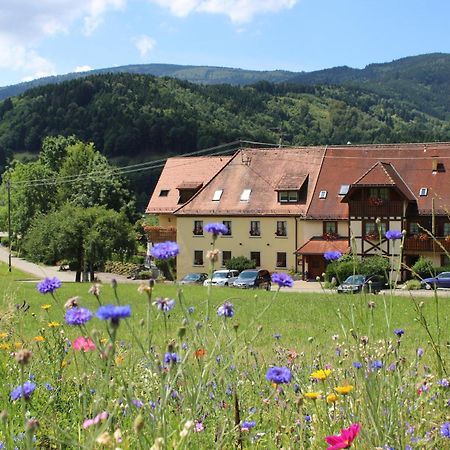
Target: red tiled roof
<point>291,182</point>
<point>413,164</point>
<point>384,174</point>
<point>182,172</point>
<point>261,171</point>
<point>319,246</point>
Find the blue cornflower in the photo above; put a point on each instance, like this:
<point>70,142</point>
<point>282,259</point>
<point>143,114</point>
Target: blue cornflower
<point>282,279</point>
<point>226,310</point>
<point>137,403</point>
<point>277,336</point>
<point>216,228</point>
<point>444,382</point>
<point>445,430</point>
<point>308,418</point>
<point>78,316</point>
<point>393,235</point>
<point>399,332</point>
<point>48,285</point>
<point>332,255</point>
<point>279,375</point>
<point>115,313</point>
<point>191,310</point>
<point>420,352</point>
<point>171,358</point>
<point>25,390</point>
<point>377,365</point>
<point>164,304</point>
<point>247,426</point>
<point>357,365</point>
<point>165,250</point>
<point>49,387</point>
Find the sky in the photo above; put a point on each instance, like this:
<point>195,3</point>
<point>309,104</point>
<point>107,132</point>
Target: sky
<point>49,37</point>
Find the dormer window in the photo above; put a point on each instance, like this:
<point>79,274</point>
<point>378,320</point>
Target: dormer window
<point>245,196</point>
<point>164,192</point>
<point>323,194</point>
<point>217,195</point>
<point>288,196</point>
<point>423,192</point>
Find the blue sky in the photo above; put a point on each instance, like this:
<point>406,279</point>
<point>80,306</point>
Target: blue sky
<point>48,37</point>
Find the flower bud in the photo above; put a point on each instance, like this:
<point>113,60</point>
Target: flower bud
<point>23,356</point>
<point>138,423</point>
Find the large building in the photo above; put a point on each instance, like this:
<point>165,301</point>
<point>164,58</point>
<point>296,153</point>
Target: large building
<point>285,207</point>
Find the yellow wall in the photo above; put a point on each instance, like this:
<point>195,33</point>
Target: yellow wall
<point>167,220</point>
<point>240,243</point>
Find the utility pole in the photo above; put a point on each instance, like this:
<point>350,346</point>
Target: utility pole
<point>8,186</point>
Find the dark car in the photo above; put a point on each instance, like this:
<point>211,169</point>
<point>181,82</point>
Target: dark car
<point>440,281</point>
<point>253,278</point>
<point>362,283</point>
<point>194,278</point>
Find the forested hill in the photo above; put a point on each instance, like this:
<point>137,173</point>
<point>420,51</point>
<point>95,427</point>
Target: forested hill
<point>128,115</point>
<point>423,81</point>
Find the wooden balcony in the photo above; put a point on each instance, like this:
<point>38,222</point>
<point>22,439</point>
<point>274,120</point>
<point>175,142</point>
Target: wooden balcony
<point>438,245</point>
<point>365,209</point>
<point>160,234</point>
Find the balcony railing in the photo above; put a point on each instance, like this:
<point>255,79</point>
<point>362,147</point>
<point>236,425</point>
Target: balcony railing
<point>160,234</point>
<point>427,245</point>
<point>366,209</point>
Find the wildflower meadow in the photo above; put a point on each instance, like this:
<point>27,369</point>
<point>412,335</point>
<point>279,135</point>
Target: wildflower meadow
<point>157,366</point>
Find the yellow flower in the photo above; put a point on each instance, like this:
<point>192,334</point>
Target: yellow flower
<point>46,306</point>
<point>53,324</point>
<point>119,360</point>
<point>313,395</point>
<point>344,390</point>
<point>103,340</point>
<point>63,363</point>
<point>331,398</point>
<point>18,344</point>
<point>321,374</point>
<point>39,339</point>
<point>3,335</point>
<point>5,346</point>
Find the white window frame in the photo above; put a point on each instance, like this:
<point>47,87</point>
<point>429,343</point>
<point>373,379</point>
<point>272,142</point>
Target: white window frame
<point>217,195</point>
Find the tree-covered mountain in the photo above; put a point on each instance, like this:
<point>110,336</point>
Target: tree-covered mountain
<point>141,117</point>
<point>423,81</point>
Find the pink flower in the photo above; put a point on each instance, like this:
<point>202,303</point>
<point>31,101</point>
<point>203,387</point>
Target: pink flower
<point>81,343</point>
<point>345,439</point>
<point>98,418</point>
<point>198,427</point>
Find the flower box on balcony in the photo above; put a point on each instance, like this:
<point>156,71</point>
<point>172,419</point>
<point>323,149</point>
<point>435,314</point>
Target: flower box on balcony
<point>373,201</point>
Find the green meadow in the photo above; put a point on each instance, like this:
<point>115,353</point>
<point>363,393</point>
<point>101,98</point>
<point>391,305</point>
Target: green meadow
<point>213,390</point>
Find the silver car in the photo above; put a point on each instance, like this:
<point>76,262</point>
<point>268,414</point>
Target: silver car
<point>223,277</point>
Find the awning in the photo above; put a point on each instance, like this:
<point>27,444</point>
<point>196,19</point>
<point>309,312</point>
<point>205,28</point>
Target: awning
<point>319,246</point>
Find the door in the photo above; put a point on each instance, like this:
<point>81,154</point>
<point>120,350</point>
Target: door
<point>316,266</point>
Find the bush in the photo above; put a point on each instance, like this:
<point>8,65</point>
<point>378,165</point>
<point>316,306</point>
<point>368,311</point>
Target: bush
<point>341,270</point>
<point>375,265</point>
<point>423,268</point>
<point>413,285</point>
<point>120,268</point>
<point>240,263</point>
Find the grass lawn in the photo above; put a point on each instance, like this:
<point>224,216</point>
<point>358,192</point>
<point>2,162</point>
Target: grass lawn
<point>150,377</point>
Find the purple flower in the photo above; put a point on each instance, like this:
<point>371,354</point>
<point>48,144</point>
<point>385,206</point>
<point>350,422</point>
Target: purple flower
<point>445,430</point>
<point>277,336</point>
<point>49,387</point>
<point>279,375</point>
<point>164,304</point>
<point>216,228</point>
<point>419,352</point>
<point>399,332</point>
<point>171,358</point>
<point>332,255</point>
<point>377,365</point>
<point>357,365</point>
<point>137,403</point>
<point>226,310</point>
<point>393,235</point>
<point>78,316</point>
<point>115,313</point>
<point>282,279</point>
<point>247,426</point>
<point>48,285</point>
<point>26,390</point>
<point>165,250</point>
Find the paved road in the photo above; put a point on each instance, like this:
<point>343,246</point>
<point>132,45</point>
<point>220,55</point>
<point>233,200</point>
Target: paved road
<point>42,271</point>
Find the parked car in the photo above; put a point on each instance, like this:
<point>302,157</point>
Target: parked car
<point>253,278</point>
<point>194,278</point>
<point>440,281</point>
<point>362,283</point>
<point>223,277</point>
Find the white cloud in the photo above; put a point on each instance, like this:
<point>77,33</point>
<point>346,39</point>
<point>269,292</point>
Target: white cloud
<point>145,44</point>
<point>239,11</point>
<point>25,23</point>
<point>85,68</point>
